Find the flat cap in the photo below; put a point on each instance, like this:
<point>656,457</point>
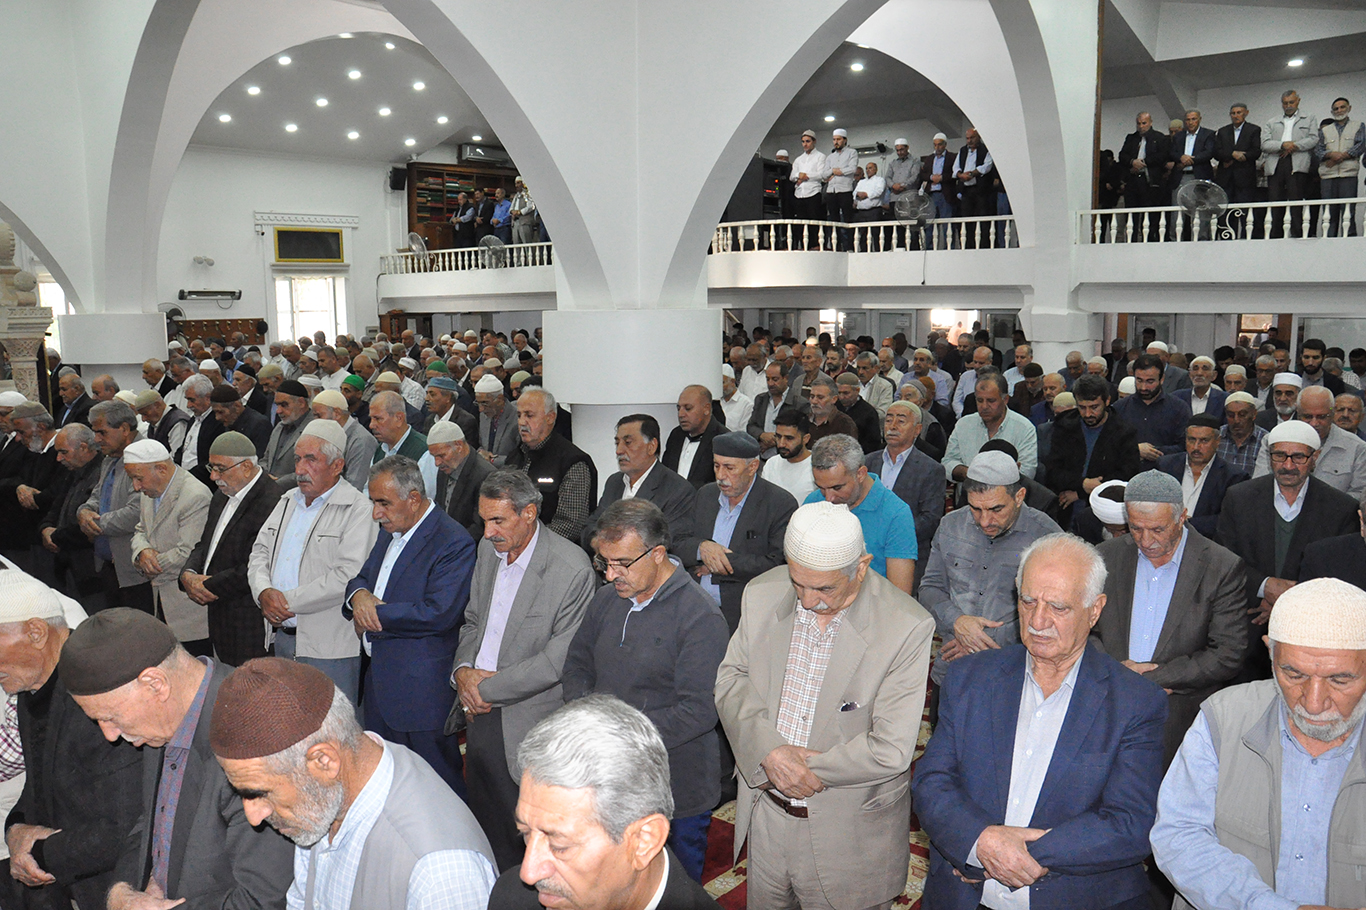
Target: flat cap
<point>111,649</point>
<point>27,409</point>
<point>267,705</point>
<point>327,431</point>
<point>293,387</point>
<point>995,468</point>
<point>1154,486</point>
<point>146,397</point>
<point>145,451</point>
<point>823,536</point>
<point>1294,431</point>
<point>224,394</point>
<point>445,431</point>
<point>445,383</point>
<point>232,445</point>
<point>735,445</point>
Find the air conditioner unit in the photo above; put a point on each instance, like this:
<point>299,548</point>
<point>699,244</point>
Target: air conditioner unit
<point>486,154</point>
<point>210,295</point>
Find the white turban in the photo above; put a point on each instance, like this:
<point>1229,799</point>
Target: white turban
<point>1322,613</point>
<point>1107,510</point>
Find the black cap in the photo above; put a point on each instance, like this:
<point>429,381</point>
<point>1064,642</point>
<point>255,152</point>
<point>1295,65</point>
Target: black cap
<point>111,649</point>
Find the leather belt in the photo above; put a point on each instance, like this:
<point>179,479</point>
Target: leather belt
<point>794,811</point>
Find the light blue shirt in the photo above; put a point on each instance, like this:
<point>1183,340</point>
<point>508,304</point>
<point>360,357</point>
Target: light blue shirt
<point>284,575</point>
<point>443,880</point>
<point>1153,586</point>
<point>1036,736</point>
<point>721,532</point>
<point>386,566</point>
<point>892,465</point>
<point>1212,876</point>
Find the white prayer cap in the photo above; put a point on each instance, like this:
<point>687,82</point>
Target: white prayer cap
<point>1239,398</point>
<point>512,363</point>
<point>1294,431</point>
<point>327,431</point>
<point>145,451</point>
<point>781,153</point>
<point>176,346</point>
<point>1323,613</point>
<point>311,355</point>
<point>1288,379</point>
<point>488,383</point>
<point>841,133</point>
<point>23,597</point>
<point>1160,346</point>
<point>389,376</point>
<point>408,362</point>
<point>940,136</point>
<point>331,398</point>
<point>471,333</point>
<point>1097,361</point>
<point>127,396</point>
<point>901,142</point>
<point>1105,509</point>
<point>1235,369</point>
<point>308,380</point>
<point>823,537</point>
<point>444,431</point>
<point>727,371</point>
<point>1203,359</point>
<point>209,365</point>
<point>444,338</point>
<point>994,467</point>
<point>459,346</point>
<point>1127,386</point>
<point>11,399</point>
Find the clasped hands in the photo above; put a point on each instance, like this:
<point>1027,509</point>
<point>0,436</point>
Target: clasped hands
<point>20,839</point>
<point>788,773</point>
<point>969,636</point>
<point>365,612</point>
<point>714,559</point>
<point>1003,853</point>
<point>467,680</point>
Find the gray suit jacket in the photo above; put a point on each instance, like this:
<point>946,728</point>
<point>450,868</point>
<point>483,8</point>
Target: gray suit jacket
<point>920,485</point>
<point>360,454</point>
<point>505,435</point>
<point>172,530</point>
<point>792,397</point>
<point>865,728</point>
<point>118,523</point>
<point>1204,636</point>
<point>663,487</point>
<point>550,603</point>
<point>1175,379</point>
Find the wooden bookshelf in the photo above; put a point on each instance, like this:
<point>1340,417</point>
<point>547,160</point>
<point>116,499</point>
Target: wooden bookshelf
<point>433,190</point>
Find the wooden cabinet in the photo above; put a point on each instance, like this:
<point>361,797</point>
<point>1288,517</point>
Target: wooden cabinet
<point>432,193</point>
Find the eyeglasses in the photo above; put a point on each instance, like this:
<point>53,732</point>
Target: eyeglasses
<point>220,470</point>
<point>602,565</point>
<point>1299,459</point>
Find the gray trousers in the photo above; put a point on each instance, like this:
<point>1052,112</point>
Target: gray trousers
<point>524,229</point>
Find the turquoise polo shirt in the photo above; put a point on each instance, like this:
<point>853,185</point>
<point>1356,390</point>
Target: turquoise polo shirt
<point>888,525</point>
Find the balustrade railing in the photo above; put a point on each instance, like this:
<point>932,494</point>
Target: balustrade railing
<point>1319,219</point>
<point>514,255</point>
<point>990,232</point>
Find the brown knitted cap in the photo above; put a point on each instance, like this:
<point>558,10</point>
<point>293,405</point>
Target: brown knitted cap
<point>111,649</point>
<point>267,705</point>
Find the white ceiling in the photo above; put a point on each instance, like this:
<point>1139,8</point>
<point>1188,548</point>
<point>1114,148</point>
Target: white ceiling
<point>319,70</point>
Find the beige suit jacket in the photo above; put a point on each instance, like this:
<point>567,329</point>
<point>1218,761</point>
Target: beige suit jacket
<point>172,530</point>
<point>866,726</point>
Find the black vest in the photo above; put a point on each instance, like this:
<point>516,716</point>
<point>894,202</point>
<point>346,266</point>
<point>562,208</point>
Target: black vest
<point>170,420</point>
<point>547,466</point>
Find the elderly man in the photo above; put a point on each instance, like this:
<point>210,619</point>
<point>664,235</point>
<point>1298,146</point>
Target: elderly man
<point>1280,403</point>
<point>253,396</point>
<point>1348,412</point>
<point>1240,438</point>
<point>77,402</point>
<point>648,598</point>
<point>963,393</point>
<point>154,374</point>
<point>1204,476</point>
<point>912,475</point>
<point>498,434</point>
<point>642,476</point>
<point>80,793</point>
<point>826,417</point>
<point>1174,602</point>
<point>1341,458</point>
<point>407,604</point>
<point>563,472</point>
<point>805,780</point>
<point>389,424</point>
<point>736,407</point>
<point>527,598</point>
<point>1288,143</point>
<point>26,496</point>
<point>738,524</point>
<point>59,531</point>
<point>330,405</point>
<point>969,580</point>
<point>1235,378</point>
<point>172,511</point>
<point>128,674</point>
<point>288,741</point>
<point>1014,819</point>
<point>1203,396</point>
<point>215,572</point>
<point>864,415</point>
<point>313,543</point>
<point>688,450</point>
<point>923,364</point>
<point>1225,835</point>
<point>232,414</point>
<point>442,397</point>
<point>458,476</point>
<point>1270,520</point>
<point>294,413</point>
<point>111,513</point>
<point>992,419</point>
<point>166,424</point>
<point>573,767</point>
<point>203,427</point>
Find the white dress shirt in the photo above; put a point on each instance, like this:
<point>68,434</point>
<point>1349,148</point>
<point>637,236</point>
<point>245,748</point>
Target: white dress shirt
<point>1191,487</point>
<point>189,458</point>
<point>229,510</point>
<point>738,409</point>
<point>685,456</point>
<point>811,164</point>
<point>628,489</point>
<point>505,586</point>
<point>874,187</point>
<point>334,380</point>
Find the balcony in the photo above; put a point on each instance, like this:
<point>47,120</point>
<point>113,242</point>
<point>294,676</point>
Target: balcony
<point>519,276</point>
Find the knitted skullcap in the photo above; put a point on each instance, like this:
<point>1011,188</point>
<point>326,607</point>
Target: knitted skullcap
<point>939,136</point>
<point>1294,431</point>
<point>1154,486</point>
<point>327,431</point>
<point>1239,398</point>
<point>1235,369</point>
<point>245,369</point>
<point>781,153</point>
<point>460,346</point>
<point>309,381</point>
<point>331,398</point>
<point>727,371</point>
<point>519,376</point>
<point>354,382</point>
<point>127,396</point>
<point>823,536</point>
<point>176,346</point>
<point>810,133</point>
<point>843,134</point>
<point>232,445</point>
<point>444,338</point>
<point>1288,379</point>
<point>209,365</point>
<point>267,705</point>
<point>111,649</point>
<point>294,388</point>
<point>27,409</point>
<point>488,383</point>
<point>995,468</point>
<point>408,362</point>
<point>438,366</point>
<point>311,355</point>
<point>145,451</point>
<point>146,398</point>
<point>1161,346</point>
<point>1127,386</point>
<point>736,445</point>
<point>11,399</point>
<point>512,363</point>
<point>269,370</point>
<point>1322,613</point>
<point>900,142</point>
<point>1106,509</point>
<point>444,431</point>
<point>1098,361</point>
<point>224,394</point>
<point>389,376</point>
<point>23,597</point>
<point>1175,124</point>
<point>1064,401</point>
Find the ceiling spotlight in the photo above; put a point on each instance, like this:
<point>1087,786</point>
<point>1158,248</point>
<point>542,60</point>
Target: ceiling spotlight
<point>388,45</point>
<point>253,90</point>
<point>291,127</point>
<point>856,67</point>
<point>419,86</point>
<point>321,102</point>
<point>443,119</point>
<point>344,35</point>
<point>354,74</point>
<point>1298,61</point>
<point>224,118</point>
<point>353,135</point>
<point>384,112</point>
<point>410,142</point>
<point>284,60</point>
<point>477,138</point>
<point>864,46</point>
<point>829,118</point>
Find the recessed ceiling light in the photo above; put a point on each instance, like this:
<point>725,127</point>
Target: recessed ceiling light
<point>354,74</point>
<point>321,102</point>
<point>291,127</point>
<point>1296,62</point>
<point>388,45</point>
<point>477,138</point>
<point>864,46</point>
<point>253,90</point>
<point>344,35</point>
<point>856,67</point>
<point>284,60</point>
<point>443,119</point>
<point>410,142</point>
<point>353,135</point>
<point>225,118</point>
<point>419,86</point>
<point>829,118</point>
<point>384,112</point>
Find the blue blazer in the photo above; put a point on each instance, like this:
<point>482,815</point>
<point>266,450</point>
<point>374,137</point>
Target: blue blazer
<point>1099,797</point>
<point>423,610</point>
<point>1221,477</point>
<point>1202,154</point>
<point>1214,407</point>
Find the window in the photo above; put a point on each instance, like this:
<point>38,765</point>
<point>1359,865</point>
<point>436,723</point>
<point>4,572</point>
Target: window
<point>50,294</point>
<point>305,304</point>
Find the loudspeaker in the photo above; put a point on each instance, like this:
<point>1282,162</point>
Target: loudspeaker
<point>398,178</point>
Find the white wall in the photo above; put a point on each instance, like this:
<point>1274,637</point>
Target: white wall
<point>1264,99</point>
<point>210,213</point>
<point>1117,119</point>
<point>919,132</point>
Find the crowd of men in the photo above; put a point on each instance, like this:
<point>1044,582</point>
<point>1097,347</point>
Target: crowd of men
<point>247,623</point>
